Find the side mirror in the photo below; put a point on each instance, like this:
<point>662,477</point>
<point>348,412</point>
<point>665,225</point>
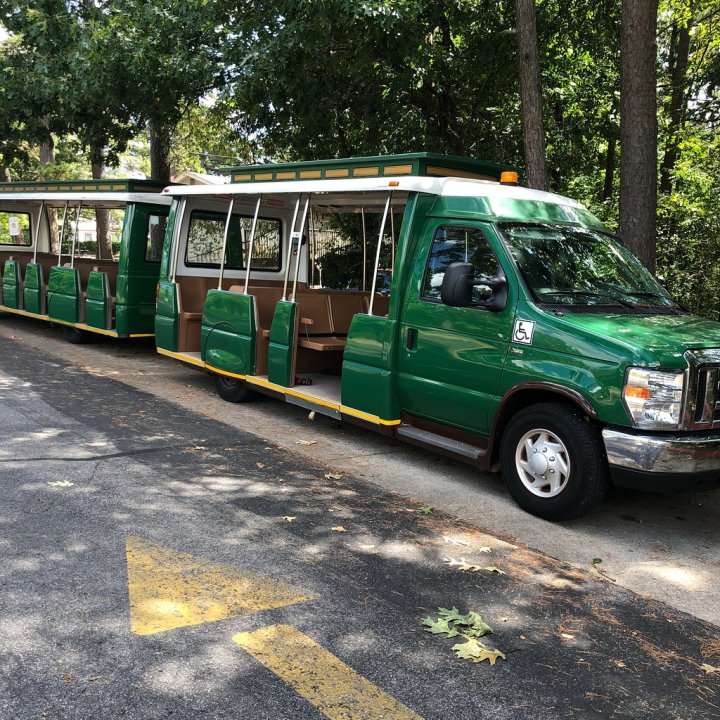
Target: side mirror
<point>457,285</point>
<point>459,289</point>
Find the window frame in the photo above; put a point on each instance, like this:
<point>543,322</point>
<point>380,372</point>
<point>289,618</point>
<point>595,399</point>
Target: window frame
<point>213,215</point>
<point>457,224</point>
<point>29,228</point>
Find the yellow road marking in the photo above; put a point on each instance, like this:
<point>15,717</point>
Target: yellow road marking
<point>170,589</point>
<point>326,682</point>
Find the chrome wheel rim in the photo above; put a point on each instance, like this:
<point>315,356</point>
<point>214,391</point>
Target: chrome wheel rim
<point>543,463</point>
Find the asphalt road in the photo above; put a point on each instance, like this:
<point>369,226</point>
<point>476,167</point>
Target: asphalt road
<point>663,547</point>
<point>159,563</point>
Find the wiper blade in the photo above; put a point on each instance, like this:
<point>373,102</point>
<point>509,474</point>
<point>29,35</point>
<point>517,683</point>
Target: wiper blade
<point>588,293</point>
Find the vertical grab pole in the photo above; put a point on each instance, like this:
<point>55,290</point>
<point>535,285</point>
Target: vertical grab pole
<point>177,230</point>
<point>311,236</point>
<point>377,256</point>
<point>364,284</point>
<point>252,241</point>
<point>62,232</point>
<point>75,235</point>
<point>37,230</point>
<point>290,243</point>
<point>392,242</point>
<point>299,251</point>
<point>224,245</point>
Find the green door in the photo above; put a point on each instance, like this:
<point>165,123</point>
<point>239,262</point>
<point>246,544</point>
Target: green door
<point>451,358</point>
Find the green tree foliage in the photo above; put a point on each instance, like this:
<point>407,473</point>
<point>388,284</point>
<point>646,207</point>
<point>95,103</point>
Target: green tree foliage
<point>294,79</point>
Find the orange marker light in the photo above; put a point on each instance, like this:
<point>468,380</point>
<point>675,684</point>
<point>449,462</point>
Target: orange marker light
<point>509,177</point>
<point>637,392</point>
<point>393,183</point>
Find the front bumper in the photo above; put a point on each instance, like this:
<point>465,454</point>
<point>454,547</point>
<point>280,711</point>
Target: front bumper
<point>663,462</point>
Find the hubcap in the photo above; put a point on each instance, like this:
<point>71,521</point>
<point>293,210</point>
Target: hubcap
<point>543,463</point>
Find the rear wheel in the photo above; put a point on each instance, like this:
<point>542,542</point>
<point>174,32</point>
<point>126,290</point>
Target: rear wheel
<point>232,389</point>
<point>553,461</point>
<point>75,336</point>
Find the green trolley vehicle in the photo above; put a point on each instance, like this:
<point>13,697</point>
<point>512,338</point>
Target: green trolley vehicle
<point>434,300</point>
<point>71,286</point>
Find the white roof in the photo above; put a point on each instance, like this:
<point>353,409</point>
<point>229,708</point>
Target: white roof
<point>444,187</point>
<point>102,198</point>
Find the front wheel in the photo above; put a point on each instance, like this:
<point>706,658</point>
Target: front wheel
<point>232,389</point>
<point>553,461</point>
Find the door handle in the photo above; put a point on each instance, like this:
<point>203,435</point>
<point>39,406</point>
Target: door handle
<point>411,339</point>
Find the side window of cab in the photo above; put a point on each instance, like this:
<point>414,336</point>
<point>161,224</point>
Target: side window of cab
<point>454,244</point>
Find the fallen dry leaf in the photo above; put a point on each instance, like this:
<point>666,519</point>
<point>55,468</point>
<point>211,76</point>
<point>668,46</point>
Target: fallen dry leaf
<point>289,518</point>
<point>260,465</point>
<point>61,483</point>
<point>709,669</point>
<point>306,442</point>
<point>333,476</point>
<point>567,636</point>
<point>339,528</point>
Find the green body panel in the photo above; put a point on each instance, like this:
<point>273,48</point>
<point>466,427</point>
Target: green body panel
<point>497,208</point>
<point>228,333</point>
<point>11,284</point>
<point>32,291</point>
<point>368,380</point>
<point>137,279</point>
<point>283,333</point>
<point>96,304</point>
<point>452,372</point>
<point>422,164</point>
<point>166,317</point>
<point>64,294</point>
<point>66,186</point>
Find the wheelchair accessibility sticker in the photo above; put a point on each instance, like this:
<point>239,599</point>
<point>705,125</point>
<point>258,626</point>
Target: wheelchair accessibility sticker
<point>523,332</point>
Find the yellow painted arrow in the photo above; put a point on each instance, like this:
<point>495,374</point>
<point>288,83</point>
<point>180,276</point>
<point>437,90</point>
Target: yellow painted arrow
<point>170,589</point>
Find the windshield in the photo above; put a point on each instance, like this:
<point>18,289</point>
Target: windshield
<point>570,265</point>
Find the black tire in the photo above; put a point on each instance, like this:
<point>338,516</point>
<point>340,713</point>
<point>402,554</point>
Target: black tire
<point>570,454</point>
<point>232,389</point>
<point>75,336</point>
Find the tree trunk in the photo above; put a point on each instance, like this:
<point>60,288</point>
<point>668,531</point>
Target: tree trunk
<point>676,106</point>
<point>5,174</point>
<point>530,96</point>
<point>47,157</point>
<point>609,169</point>
<point>159,152</point>
<point>103,249</point>
<point>638,128</point>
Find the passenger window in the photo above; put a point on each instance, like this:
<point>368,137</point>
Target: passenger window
<point>15,229</point>
<point>155,238</point>
<point>453,244</point>
<point>205,241</point>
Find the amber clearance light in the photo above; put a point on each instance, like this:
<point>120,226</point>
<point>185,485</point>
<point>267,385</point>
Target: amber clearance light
<point>509,177</point>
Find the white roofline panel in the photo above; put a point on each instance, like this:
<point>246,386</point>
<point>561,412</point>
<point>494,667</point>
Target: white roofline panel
<point>90,197</point>
<point>442,187</point>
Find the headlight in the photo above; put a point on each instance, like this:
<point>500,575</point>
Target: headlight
<point>654,398</point>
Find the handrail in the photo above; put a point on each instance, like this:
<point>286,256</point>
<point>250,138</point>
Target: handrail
<point>252,241</point>
<point>37,230</point>
<point>290,241</point>
<point>177,231</point>
<point>377,255</point>
<point>75,235</point>
<point>62,232</point>
<point>224,245</point>
<point>299,248</point>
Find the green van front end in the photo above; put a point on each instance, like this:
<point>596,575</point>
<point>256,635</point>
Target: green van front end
<point>519,335</point>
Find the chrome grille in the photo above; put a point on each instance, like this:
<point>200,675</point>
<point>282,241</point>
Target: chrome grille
<point>703,398</point>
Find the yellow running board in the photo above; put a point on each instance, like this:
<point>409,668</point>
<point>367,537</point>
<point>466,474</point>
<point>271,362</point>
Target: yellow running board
<point>319,404</point>
<point>79,326</point>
